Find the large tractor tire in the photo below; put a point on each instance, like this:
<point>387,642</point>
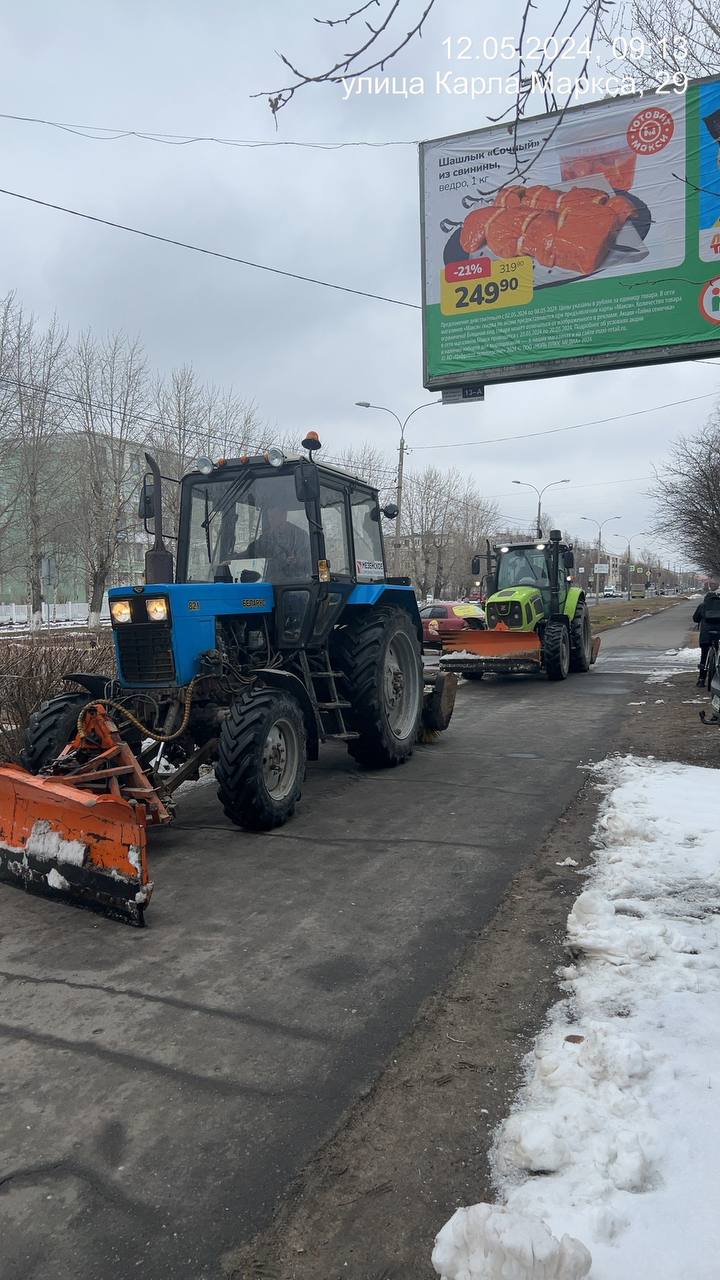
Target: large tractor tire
<point>261,762</point>
<point>380,660</point>
<point>50,728</point>
<point>556,644</point>
<point>580,639</point>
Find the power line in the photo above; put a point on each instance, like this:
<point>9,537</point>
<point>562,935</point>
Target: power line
<point>387,473</point>
<point>95,132</point>
<point>576,426</point>
<point>212,253</point>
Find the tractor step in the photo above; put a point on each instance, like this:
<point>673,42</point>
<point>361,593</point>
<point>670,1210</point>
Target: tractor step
<point>332,706</point>
<point>349,736</point>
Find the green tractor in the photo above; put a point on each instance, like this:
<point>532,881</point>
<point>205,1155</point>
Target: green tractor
<point>536,620</point>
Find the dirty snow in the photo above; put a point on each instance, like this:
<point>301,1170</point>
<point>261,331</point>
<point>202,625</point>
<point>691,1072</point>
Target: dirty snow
<point>55,880</point>
<point>497,1244</point>
<point>614,1139</point>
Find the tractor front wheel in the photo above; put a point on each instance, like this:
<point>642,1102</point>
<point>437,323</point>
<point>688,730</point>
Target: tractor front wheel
<point>50,728</point>
<point>580,639</point>
<point>556,644</point>
<point>261,759</point>
<point>379,656</point>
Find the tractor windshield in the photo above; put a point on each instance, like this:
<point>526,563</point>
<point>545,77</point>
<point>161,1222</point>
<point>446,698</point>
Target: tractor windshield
<point>523,567</point>
<point>248,528</point>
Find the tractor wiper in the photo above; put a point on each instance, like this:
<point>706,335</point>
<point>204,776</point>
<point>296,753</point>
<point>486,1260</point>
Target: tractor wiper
<point>206,523</point>
<point>236,488</point>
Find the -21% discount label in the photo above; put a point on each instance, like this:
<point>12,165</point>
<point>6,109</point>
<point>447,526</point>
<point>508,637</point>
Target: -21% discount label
<point>485,284</point>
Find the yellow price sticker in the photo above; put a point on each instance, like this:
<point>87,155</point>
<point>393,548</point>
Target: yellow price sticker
<point>485,284</point>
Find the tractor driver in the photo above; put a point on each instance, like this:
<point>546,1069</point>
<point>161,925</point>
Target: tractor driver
<point>284,545</point>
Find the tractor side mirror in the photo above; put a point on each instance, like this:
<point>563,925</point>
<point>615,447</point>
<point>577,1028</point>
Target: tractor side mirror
<point>569,560</point>
<point>390,511</point>
<point>475,566</point>
<point>307,482</point>
<point>146,506</point>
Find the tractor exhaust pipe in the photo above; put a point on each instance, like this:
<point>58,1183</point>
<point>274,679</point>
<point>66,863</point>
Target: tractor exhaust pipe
<point>555,536</point>
<point>158,560</point>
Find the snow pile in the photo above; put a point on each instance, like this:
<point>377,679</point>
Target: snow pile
<point>686,657</point>
<point>495,1244</point>
<point>615,1137</point>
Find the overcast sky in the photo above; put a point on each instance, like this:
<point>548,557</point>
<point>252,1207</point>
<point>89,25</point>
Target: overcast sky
<point>304,354</point>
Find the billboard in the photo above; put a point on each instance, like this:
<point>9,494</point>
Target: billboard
<point>591,241</point>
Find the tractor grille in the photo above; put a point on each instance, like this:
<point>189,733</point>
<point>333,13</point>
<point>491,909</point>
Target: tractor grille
<point>145,652</point>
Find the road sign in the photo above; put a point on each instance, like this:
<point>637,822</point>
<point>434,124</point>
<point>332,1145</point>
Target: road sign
<point>458,395</point>
<point>601,568</point>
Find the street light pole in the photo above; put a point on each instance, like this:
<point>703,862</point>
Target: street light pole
<point>540,493</point>
<point>365,404</point>
<point>629,540</point>
<point>600,525</point>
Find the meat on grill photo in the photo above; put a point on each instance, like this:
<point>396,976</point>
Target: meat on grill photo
<point>573,230</point>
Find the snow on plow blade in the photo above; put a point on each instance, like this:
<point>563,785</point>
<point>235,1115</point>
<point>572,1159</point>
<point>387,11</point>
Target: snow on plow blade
<point>69,842</point>
<point>499,649</point>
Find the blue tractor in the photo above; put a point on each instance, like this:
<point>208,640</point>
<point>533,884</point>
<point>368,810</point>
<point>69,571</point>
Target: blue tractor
<point>276,630</point>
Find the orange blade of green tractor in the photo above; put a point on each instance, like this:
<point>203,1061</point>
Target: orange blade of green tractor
<point>493,650</point>
<point>71,842</point>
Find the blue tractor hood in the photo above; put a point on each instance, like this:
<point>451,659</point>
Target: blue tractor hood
<point>159,654</point>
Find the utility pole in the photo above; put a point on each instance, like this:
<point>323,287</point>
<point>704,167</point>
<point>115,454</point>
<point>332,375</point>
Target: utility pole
<point>600,526</point>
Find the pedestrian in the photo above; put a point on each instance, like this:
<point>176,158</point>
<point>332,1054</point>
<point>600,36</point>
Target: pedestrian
<point>707,616</point>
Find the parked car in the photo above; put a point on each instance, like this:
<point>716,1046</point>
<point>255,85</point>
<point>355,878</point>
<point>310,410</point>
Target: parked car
<point>449,618</point>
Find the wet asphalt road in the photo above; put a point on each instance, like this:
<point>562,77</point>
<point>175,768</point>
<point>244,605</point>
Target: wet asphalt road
<point>160,1088</point>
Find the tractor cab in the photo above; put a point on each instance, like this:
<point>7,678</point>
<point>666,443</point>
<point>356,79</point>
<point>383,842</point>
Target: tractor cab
<point>530,583</point>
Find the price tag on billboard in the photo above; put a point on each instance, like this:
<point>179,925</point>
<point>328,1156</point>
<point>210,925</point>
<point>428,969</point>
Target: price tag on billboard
<point>486,284</point>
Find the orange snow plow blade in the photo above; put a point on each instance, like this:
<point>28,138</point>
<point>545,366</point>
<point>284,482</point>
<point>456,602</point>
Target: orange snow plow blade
<point>499,649</point>
<point>71,842</point>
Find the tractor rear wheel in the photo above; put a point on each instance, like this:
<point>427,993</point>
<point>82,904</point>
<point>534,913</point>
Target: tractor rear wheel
<point>261,759</point>
<point>556,644</point>
<point>580,639</point>
<point>50,728</point>
<point>380,660</point>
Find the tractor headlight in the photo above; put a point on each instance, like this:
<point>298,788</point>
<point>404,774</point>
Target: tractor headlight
<point>157,609</point>
<point>120,611</point>
<point>275,456</point>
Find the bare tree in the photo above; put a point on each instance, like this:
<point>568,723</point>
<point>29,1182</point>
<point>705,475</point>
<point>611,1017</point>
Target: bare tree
<point>371,52</point>
<point>687,494</point>
<point>39,362</point>
<point>579,20</point>
<point>9,490</point>
<point>109,383</point>
<point>656,40</point>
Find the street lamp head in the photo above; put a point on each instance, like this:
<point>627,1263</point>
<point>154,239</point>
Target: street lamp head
<point>363,404</point>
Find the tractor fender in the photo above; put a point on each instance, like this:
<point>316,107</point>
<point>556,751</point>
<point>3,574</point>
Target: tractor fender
<point>289,683</point>
<point>97,686</point>
<point>574,597</point>
<point>371,594</point>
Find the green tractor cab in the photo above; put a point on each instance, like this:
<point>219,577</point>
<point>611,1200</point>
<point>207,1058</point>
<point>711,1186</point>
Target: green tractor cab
<point>536,618</point>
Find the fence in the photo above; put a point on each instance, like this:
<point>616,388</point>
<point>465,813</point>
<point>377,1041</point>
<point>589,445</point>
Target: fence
<point>16,615</point>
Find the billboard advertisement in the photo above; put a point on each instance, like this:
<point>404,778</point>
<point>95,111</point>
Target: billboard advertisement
<point>585,241</point>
